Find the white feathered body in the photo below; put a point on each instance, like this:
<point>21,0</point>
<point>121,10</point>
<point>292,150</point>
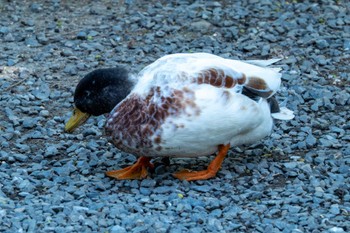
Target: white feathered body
<point>185,105</point>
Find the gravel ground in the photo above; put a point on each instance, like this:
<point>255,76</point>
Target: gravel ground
<point>297,180</point>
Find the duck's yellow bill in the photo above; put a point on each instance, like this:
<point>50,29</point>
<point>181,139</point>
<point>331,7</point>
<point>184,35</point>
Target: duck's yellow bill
<point>76,120</point>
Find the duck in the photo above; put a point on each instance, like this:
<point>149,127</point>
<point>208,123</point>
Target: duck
<point>181,105</point>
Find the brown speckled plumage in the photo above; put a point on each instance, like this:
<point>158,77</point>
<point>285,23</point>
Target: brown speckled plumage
<point>218,78</point>
<point>136,123</point>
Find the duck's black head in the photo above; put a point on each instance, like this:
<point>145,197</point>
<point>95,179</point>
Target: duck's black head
<point>98,93</point>
<point>101,90</point>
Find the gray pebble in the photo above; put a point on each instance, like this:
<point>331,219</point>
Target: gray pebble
<point>335,209</point>
<point>160,33</point>
<point>291,165</point>
<point>310,140</point>
<point>11,62</point>
<point>42,92</point>
<point>200,26</point>
<point>20,157</point>
<point>4,30</point>
<point>148,183</point>
<point>35,7</point>
<point>82,35</point>
<point>202,188</point>
<point>342,98</point>
<point>70,69</point>
<point>346,45</point>
<point>117,229</point>
<point>32,42</point>
<point>44,113</point>
<point>336,230</point>
<point>51,151</point>
<point>9,38</point>
<point>321,44</point>
<point>29,122</point>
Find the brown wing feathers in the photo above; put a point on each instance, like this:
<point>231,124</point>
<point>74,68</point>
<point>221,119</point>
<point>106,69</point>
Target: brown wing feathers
<point>255,87</point>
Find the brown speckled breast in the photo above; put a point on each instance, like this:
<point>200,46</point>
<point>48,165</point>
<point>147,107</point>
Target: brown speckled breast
<point>135,124</point>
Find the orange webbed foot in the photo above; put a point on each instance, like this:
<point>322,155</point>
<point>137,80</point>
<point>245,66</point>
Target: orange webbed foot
<point>133,172</point>
<point>210,172</point>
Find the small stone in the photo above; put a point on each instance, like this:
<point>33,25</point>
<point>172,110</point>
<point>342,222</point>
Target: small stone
<point>26,186</point>
<point>57,209</point>
<point>93,33</point>
<point>70,69</point>
<point>213,4</point>
<point>162,189</point>
<point>306,168</point>
<point>336,230</point>
<point>117,229</point>
<point>301,145</point>
<point>297,231</point>
<point>81,35</point>
<point>90,131</point>
<point>42,92</point>
<point>9,38</point>
<point>42,39</point>
<point>28,22</point>
<point>216,213</point>
<point>44,113</point>
<point>310,140</point>
<point>270,38</point>
<point>67,52</point>
<point>35,7</point>
<point>51,151</point>
<point>160,33</point>
<point>290,165</point>
<point>148,183</point>
<point>335,209</point>
<point>32,42</point>
<point>250,47</point>
<point>20,157</point>
<point>346,45</point>
<point>202,188</point>
<point>117,28</point>
<point>265,50</point>
<point>325,142</point>
<point>342,98</point>
<point>145,191</point>
<point>23,148</point>
<point>11,62</point>
<point>29,122</point>
<point>321,44</point>
<point>4,30</point>
<point>200,26</point>
<point>315,106</point>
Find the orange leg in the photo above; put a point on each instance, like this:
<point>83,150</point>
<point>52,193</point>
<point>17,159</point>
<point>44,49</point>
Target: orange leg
<point>210,172</point>
<point>133,172</point>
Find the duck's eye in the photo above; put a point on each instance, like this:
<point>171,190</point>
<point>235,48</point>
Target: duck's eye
<point>87,93</point>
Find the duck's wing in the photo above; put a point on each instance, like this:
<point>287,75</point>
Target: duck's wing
<point>178,70</point>
<point>251,78</point>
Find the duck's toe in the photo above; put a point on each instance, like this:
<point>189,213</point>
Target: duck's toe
<point>134,172</point>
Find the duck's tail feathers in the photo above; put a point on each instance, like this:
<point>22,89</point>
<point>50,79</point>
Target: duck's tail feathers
<point>283,114</point>
<point>263,63</point>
